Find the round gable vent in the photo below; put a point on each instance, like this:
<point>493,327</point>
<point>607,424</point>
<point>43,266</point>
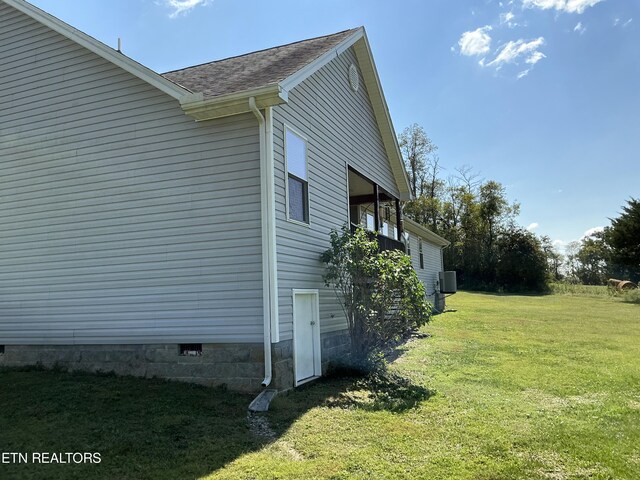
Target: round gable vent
<point>354,78</point>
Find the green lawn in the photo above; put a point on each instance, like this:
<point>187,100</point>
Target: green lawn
<point>507,387</point>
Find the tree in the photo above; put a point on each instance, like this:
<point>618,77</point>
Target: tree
<point>381,295</point>
<point>465,209</point>
<point>624,239</point>
<point>593,260</point>
<point>522,264</point>
<point>416,148</point>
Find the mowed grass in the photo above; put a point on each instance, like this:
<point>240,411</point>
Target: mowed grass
<point>525,387</point>
<point>507,387</point>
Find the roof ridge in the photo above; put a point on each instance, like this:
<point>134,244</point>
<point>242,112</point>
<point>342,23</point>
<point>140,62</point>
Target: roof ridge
<point>261,50</point>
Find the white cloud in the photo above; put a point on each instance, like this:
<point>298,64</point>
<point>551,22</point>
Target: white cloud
<point>183,6</point>
<point>511,51</point>
<point>568,6</point>
<point>535,57</point>
<point>507,19</point>
<point>559,243</point>
<point>580,28</point>
<point>591,231</point>
<point>627,22</point>
<point>532,226</point>
<point>475,42</point>
<point>523,73</point>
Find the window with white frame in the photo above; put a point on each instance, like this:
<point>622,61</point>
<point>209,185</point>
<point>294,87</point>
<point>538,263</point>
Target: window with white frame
<point>297,177</point>
<point>371,226</point>
<point>421,253</point>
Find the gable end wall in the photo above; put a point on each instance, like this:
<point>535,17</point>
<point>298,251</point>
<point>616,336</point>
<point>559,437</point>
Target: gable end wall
<point>341,130</point>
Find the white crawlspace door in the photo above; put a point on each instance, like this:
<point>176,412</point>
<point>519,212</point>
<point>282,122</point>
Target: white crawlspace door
<point>306,335</point>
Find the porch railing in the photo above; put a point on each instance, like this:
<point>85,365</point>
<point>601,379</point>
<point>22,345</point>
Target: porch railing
<point>384,242</point>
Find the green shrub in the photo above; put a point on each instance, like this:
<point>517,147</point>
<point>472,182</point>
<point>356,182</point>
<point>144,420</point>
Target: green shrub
<point>381,294</point>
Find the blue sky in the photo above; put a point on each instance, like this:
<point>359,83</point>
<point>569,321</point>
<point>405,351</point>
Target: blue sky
<point>541,95</point>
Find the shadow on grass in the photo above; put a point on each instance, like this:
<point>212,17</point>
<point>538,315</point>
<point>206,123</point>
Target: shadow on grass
<point>149,428</point>
<point>386,391</point>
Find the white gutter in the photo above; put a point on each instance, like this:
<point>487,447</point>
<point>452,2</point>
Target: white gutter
<point>267,203</point>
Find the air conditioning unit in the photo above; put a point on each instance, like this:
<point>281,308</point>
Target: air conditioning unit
<point>448,282</point>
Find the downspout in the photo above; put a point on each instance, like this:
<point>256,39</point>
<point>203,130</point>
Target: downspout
<point>271,227</point>
<point>266,299</point>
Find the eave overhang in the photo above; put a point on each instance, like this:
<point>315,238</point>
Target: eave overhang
<point>424,233</point>
<point>200,108</point>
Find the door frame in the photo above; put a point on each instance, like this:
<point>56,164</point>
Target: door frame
<point>317,353</point>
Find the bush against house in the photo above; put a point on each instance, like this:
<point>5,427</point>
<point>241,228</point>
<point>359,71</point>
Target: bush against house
<point>382,296</point>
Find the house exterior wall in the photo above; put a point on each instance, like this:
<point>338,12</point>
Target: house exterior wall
<point>341,130</point>
<point>428,275</point>
<point>122,221</point>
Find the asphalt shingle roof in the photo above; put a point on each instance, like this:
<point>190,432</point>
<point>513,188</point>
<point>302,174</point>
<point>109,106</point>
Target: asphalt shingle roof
<point>254,70</point>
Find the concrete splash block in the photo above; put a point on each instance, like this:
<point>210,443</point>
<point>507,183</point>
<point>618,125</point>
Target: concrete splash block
<point>262,401</point>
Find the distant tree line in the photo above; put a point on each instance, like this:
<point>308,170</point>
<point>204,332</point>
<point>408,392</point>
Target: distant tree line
<point>489,250</point>
<point>611,253</point>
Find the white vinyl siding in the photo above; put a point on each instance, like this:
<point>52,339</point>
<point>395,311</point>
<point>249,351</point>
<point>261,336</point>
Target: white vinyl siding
<point>428,275</point>
<point>121,219</point>
<point>341,130</point>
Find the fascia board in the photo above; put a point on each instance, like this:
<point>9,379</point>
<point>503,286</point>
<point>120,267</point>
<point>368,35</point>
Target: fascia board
<point>143,73</point>
<point>383,117</point>
<point>233,104</point>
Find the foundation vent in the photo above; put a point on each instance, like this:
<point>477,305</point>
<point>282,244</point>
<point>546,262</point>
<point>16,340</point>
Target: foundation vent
<point>190,349</point>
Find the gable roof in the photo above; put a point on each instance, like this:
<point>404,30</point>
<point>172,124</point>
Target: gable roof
<point>255,69</point>
<point>224,87</point>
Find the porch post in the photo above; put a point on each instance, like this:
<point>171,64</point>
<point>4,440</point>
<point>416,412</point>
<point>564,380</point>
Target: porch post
<point>376,207</point>
<point>399,220</point>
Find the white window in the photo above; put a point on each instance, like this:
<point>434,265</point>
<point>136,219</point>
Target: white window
<point>421,253</point>
<point>297,177</point>
<point>385,229</point>
<point>370,223</point>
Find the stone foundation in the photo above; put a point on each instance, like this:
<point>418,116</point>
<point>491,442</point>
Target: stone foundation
<point>238,366</point>
<point>335,348</point>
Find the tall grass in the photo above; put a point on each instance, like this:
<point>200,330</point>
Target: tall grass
<point>632,296</point>
<point>581,290</point>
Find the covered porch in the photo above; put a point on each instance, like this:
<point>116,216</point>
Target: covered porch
<point>376,210</point>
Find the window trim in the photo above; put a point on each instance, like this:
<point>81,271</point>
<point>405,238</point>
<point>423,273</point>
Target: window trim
<point>421,254</point>
<point>304,138</point>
